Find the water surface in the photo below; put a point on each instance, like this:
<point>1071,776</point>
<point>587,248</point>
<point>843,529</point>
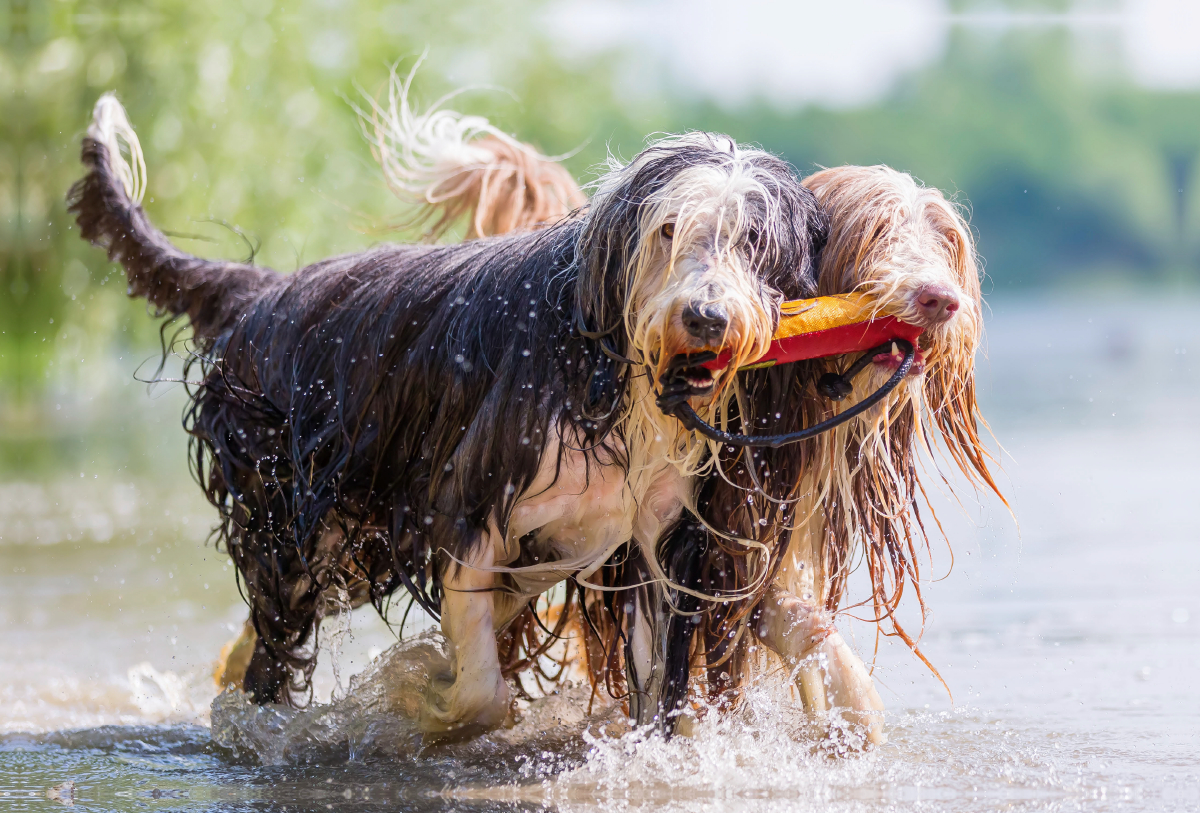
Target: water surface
<point>1070,637</point>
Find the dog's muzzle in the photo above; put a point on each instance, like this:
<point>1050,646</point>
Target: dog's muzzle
<point>706,321</point>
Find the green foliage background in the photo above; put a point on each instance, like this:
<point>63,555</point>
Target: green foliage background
<point>1074,178</point>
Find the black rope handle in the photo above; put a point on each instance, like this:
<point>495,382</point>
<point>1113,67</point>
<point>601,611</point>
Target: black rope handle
<point>831,384</point>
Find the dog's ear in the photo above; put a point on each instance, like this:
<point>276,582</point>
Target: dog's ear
<point>795,223</point>
<point>608,246</point>
<point>813,227</point>
<point>818,237</point>
<point>818,229</point>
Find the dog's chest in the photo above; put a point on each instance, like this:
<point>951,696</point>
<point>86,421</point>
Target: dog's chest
<point>581,509</point>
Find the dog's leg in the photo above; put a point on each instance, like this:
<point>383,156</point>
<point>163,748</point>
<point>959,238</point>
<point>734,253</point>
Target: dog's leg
<point>659,647</point>
<point>645,656</point>
<point>230,669</point>
<point>829,674</point>
<point>473,697</point>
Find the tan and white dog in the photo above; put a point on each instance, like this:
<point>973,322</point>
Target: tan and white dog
<point>910,248</point>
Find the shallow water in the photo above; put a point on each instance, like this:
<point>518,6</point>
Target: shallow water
<point>1070,643</point>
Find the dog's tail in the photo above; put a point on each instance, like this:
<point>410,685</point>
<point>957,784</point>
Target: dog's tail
<point>106,204</point>
<point>455,165</point>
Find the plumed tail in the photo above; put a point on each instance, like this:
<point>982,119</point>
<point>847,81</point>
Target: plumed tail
<point>106,204</point>
<point>457,166</point>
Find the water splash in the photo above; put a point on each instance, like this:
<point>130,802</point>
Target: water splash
<point>766,754</point>
<point>376,717</point>
<point>159,696</point>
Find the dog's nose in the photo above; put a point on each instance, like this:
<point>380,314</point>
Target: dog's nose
<point>706,321</point>
<point>937,303</point>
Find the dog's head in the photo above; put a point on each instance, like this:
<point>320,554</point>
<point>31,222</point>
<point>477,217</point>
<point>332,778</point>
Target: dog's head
<point>691,247</point>
<point>909,247</point>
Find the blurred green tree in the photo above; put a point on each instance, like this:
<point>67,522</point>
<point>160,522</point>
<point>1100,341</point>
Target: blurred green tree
<point>254,150</point>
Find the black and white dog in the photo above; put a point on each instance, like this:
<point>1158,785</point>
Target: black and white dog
<point>474,422</point>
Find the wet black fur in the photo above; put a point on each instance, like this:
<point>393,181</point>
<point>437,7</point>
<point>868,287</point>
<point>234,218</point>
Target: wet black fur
<point>358,421</point>
<point>687,551</point>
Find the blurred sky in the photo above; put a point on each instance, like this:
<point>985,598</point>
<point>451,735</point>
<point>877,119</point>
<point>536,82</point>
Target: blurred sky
<point>851,52</point>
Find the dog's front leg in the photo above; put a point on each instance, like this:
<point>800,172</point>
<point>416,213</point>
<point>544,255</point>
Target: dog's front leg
<point>645,656</point>
<point>829,674</point>
<point>473,696</point>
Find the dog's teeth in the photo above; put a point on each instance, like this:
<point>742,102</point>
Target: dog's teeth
<point>895,350</point>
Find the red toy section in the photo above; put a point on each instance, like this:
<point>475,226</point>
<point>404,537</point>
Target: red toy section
<point>828,326</point>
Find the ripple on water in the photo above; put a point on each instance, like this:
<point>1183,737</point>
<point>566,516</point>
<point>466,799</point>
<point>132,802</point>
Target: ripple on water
<point>767,754</point>
<point>362,753</point>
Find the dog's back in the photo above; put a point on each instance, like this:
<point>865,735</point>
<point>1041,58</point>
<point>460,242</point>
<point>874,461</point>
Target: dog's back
<point>352,418</point>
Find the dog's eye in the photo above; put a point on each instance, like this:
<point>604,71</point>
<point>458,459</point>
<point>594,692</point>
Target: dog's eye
<point>668,230</point>
<point>753,236</point>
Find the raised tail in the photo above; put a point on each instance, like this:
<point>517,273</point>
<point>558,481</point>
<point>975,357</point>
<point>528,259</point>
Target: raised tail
<point>455,166</point>
<point>106,203</point>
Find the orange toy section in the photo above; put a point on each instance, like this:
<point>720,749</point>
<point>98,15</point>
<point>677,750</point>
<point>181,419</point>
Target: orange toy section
<point>828,326</point>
